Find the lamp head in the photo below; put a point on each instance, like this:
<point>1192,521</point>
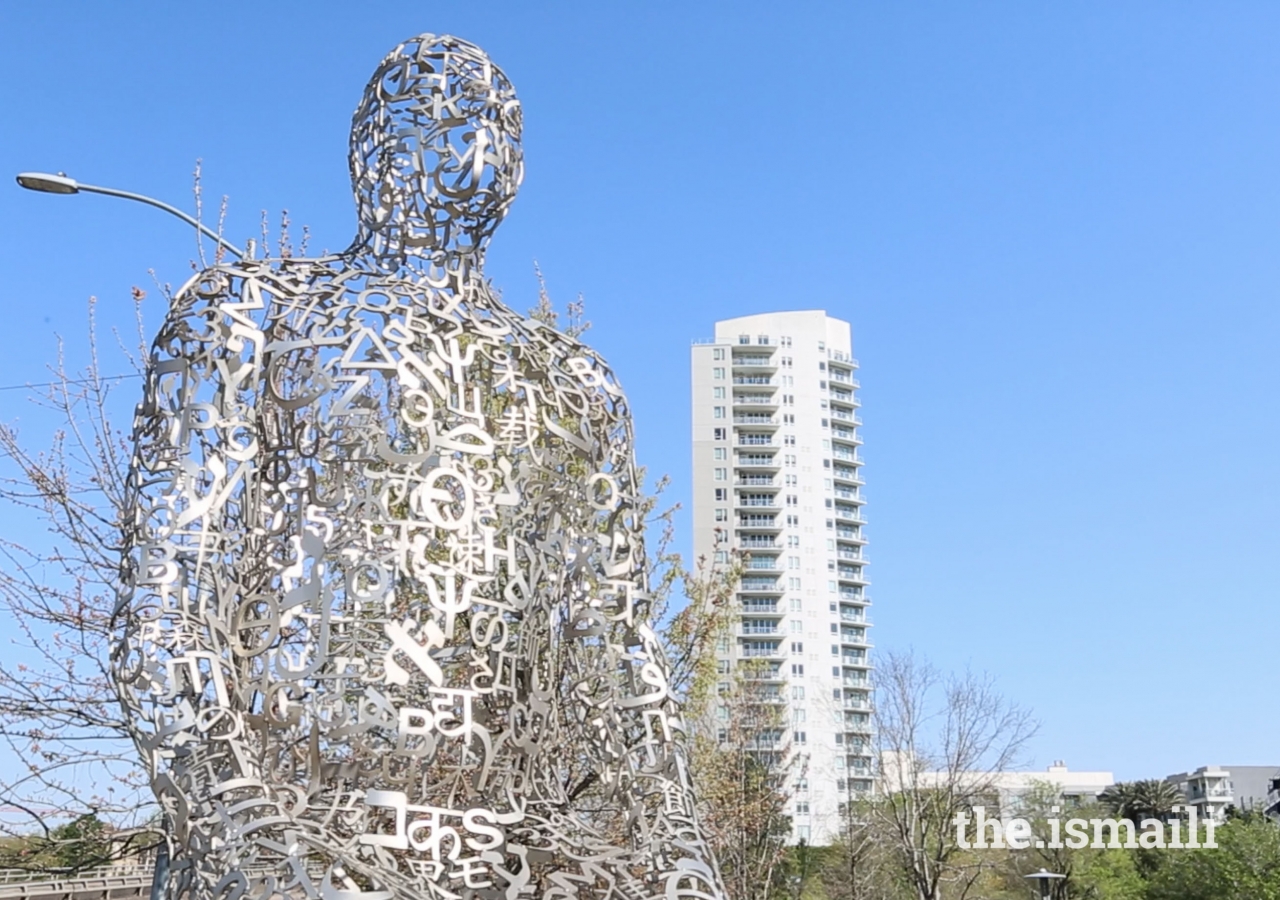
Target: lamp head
<point>48,184</point>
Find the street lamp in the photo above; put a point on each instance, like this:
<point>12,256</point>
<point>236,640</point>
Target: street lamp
<point>1045,878</point>
<point>62,184</point>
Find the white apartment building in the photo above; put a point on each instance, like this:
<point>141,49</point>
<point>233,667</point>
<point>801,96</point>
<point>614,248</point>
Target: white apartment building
<point>777,475</point>
<point>1212,789</point>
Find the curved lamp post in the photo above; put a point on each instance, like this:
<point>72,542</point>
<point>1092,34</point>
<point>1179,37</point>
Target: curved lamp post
<point>62,184</point>
<point>1045,879</point>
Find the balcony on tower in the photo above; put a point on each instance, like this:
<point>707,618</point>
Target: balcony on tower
<point>757,460</point>
<point>757,501</point>
<point>755,420</point>
<point>757,359</point>
<point>766,403</point>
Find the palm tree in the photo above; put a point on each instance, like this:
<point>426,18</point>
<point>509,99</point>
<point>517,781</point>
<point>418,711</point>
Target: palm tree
<point>1138,800</point>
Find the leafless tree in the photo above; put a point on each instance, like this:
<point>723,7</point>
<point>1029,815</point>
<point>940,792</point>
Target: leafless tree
<point>59,715</point>
<point>860,863</point>
<point>942,743</point>
<point>744,769</point>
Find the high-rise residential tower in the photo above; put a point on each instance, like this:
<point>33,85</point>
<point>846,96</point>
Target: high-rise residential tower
<point>777,475</point>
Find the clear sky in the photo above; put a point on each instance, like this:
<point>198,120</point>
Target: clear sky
<point>1054,228</point>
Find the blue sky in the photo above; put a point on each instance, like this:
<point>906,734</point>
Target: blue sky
<point>1054,228</point>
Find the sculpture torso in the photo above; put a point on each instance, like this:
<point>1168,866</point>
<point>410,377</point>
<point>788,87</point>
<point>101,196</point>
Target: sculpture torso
<point>390,590</point>
<point>383,626</point>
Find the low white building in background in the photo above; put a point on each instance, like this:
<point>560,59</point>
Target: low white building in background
<point>1075,788</point>
<point>1008,789</point>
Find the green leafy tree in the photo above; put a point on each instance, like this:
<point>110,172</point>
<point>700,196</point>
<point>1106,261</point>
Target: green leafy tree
<point>1090,874</point>
<point>1244,866</point>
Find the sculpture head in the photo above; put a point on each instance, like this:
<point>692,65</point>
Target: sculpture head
<point>435,151</point>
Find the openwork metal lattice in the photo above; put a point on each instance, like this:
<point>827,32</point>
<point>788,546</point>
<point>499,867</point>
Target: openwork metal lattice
<point>384,625</point>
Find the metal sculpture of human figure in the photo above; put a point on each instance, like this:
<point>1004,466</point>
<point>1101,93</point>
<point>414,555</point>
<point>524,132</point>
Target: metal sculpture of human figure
<point>383,631</point>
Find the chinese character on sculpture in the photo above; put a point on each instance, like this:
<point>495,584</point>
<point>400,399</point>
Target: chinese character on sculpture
<point>384,625</point>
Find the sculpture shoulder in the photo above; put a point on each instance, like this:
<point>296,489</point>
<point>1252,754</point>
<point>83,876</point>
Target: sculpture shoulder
<point>247,289</point>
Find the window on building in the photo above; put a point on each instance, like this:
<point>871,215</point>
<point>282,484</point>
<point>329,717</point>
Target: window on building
<point>718,353</point>
<point>796,626</point>
<point>793,562</point>
<point>802,833</point>
<point>822,346</point>
<point>722,556</point>
<point>722,474</point>
<point>722,515</point>
<point>835,648</point>
<point>835,670</point>
<point>796,604</point>
<point>793,500</point>
<point>797,692</point>
<point>797,668</point>
<point>793,521</point>
<point>802,738</point>
<point>797,646</point>
<point>744,339</point>
<point>721,453</point>
<point>789,440</point>
<point>798,716</point>
<point>717,412</point>
<point>762,338</point>
<point>718,393</point>
<point>722,494</point>
<point>718,434</point>
<point>822,367</point>
<point>793,584</point>
<point>718,372</point>
<point>835,629</point>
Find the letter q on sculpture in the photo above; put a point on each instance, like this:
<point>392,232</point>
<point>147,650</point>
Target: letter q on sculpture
<point>383,626</point>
